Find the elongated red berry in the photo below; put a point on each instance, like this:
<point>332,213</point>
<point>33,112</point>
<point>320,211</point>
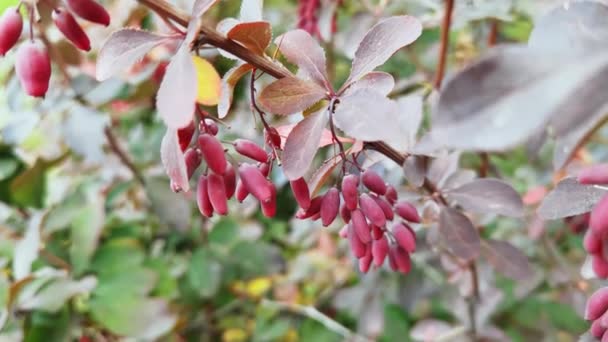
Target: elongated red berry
<point>11,25</point>
<point>350,191</point>
<point>392,262</point>
<point>592,242</point>
<point>345,213</point>
<point>241,191</point>
<point>391,194</point>
<point>213,153</point>
<point>604,337</point>
<point>359,223</point>
<point>230,180</point>
<point>372,210</point>
<point>184,135</point>
<point>597,330</point>
<point>330,206</point>
<point>273,138</point>
<point>343,233</point>
<point>596,174</point>
<point>250,149</point>
<point>313,209</point>
<point>217,193</point>
<point>300,191</point>
<point>599,265</point>
<point>385,206</point>
<point>401,258</point>
<point>597,304</point>
<point>255,182</point>
<point>202,197</point>
<point>90,10</point>
<point>208,126</point>
<point>377,232</point>
<point>366,261</point>
<point>405,237</point>
<point>193,159</point>
<point>379,250</point>
<point>33,67</point>
<point>407,211</point>
<point>356,246</point>
<point>599,217</point>
<point>269,208</point>
<point>374,182</point>
<point>66,23</point>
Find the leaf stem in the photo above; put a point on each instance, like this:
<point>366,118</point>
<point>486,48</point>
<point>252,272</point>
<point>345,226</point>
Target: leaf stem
<point>445,38</point>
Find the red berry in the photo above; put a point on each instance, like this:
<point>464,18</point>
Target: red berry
<point>184,135</point>
<point>264,169</point>
<point>33,67</point>
<point>401,258</point>
<point>379,250</point>
<point>374,182</point>
<point>385,206</point>
<point>366,261</point>
<point>202,197</point>
<point>407,211</point>
<point>592,243</point>
<point>273,138</point>
<point>345,213</point>
<point>391,194</point>
<point>350,193</point>
<point>213,152</point>
<point>90,10</point>
<point>360,226</point>
<point>597,330</point>
<point>255,182</point>
<point>377,232</point>
<point>330,206</point>
<point>356,246</point>
<point>597,304</point>
<point>208,126</point>
<point>313,209</point>
<point>250,149</point>
<point>372,210</point>
<point>596,174</point>
<point>11,25</point>
<point>230,180</point>
<point>241,191</point>
<point>301,192</point>
<point>193,159</point>
<point>405,237</point>
<point>599,217</point>
<point>217,193</point>
<point>599,265</point>
<point>66,23</point>
<point>269,208</point>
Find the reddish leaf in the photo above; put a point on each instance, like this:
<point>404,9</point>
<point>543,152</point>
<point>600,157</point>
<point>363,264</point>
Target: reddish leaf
<point>507,259</point>
<point>488,196</point>
<point>177,93</point>
<point>254,35</point>
<point>302,145</point>
<point>173,160</point>
<point>229,81</point>
<point>302,50</point>
<point>290,95</point>
<point>381,42</point>
<point>570,198</point>
<point>459,234</point>
<point>123,49</point>
<point>320,176</point>
<point>326,137</point>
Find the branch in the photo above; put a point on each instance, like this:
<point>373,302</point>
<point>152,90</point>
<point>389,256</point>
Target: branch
<point>445,38</point>
<point>122,155</point>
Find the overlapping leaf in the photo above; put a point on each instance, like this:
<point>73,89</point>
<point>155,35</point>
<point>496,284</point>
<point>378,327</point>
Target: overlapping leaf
<point>302,144</point>
<point>208,82</point>
<point>255,36</point>
<point>488,195</point>
<point>570,198</point>
<point>290,95</point>
<point>459,234</point>
<point>173,160</point>
<point>229,81</point>
<point>302,50</point>
<point>507,259</point>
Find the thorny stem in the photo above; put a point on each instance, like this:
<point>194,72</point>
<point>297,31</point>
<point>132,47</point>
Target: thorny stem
<point>445,37</point>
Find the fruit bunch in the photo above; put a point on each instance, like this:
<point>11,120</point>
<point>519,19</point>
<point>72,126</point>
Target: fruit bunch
<point>596,238</point>
<point>367,216</point>
<point>307,16</point>
<point>596,311</point>
<point>33,64</point>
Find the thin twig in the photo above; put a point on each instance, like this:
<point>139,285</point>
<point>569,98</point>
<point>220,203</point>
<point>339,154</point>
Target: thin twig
<point>493,36</point>
<point>122,155</point>
<point>445,38</point>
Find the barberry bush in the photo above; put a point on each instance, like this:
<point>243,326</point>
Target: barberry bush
<point>312,170</point>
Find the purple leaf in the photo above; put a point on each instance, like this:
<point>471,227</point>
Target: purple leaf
<point>488,195</point>
<point>442,167</point>
<point>414,170</point>
<point>290,95</point>
<point>481,108</point>
<point>381,42</point>
<point>123,49</point>
<point>198,9</point>
<point>507,259</point>
<point>302,144</point>
<point>229,81</point>
<point>570,198</point>
<point>173,160</point>
<point>379,81</point>
<point>302,50</point>
<point>458,234</point>
<point>177,93</point>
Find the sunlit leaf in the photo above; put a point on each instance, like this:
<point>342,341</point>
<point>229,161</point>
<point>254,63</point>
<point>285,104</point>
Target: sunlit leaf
<point>379,81</point>
<point>487,195</point>
<point>302,145</point>
<point>255,36</point>
<point>208,82</point>
<point>506,259</point>
<point>229,81</point>
<point>302,50</point>
<point>570,198</point>
<point>173,160</point>
<point>290,95</point>
<point>204,273</point>
<point>178,90</point>
<point>459,234</point>
<point>198,9</point>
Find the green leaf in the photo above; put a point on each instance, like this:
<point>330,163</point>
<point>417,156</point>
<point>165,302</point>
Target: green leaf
<point>28,189</point>
<point>204,273</point>
<point>312,331</point>
<point>86,228</point>
<point>46,327</point>
<point>396,324</point>
<point>117,256</point>
<point>8,168</point>
<point>224,232</point>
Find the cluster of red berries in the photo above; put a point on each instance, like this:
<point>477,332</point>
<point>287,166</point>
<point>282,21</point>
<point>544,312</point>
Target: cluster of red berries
<point>307,16</point>
<point>33,64</point>
<point>367,216</point>
<point>596,238</point>
<point>218,183</point>
<point>596,311</point>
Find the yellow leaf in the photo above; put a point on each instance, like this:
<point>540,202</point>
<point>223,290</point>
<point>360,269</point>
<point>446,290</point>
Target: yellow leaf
<point>258,286</point>
<point>234,335</point>
<point>209,82</point>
